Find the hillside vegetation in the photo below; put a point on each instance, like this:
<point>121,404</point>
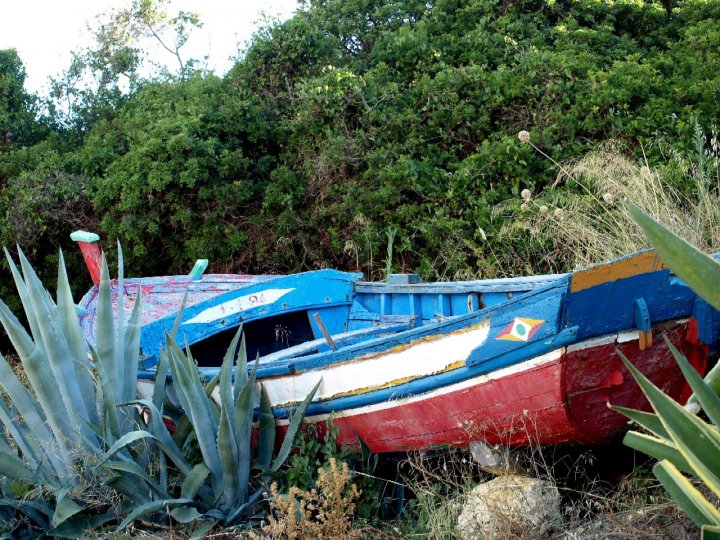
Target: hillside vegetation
<point>356,129</point>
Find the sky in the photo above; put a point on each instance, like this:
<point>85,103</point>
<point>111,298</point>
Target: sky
<point>44,32</point>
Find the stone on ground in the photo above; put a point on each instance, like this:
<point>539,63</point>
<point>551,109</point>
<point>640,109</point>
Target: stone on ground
<point>510,505</point>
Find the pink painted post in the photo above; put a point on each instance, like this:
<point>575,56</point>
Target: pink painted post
<point>90,251</point>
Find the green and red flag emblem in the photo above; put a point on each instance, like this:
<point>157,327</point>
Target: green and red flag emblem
<point>520,329</point>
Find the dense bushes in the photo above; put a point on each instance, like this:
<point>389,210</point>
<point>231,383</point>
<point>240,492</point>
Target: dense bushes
<point>362,124</point>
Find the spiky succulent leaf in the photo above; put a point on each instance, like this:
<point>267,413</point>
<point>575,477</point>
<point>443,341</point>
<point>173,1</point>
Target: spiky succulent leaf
<point>241,374</point>
<point>194,481</point>
<point>78,525</point>
<point>226,441</point>
<point>244,410</point>
<point>686,495</point>
<point>198,407</point>
<point>70,327</point>
<point>150,508</point>
<point>41,380</point>
<point>13,467</point>
<point>708,399</point>
<point>33,418</point>
<point>57,351</point>
<point>657,448</point>
<point>39,512</point>
<point>293,427</point>
<point>700,271</point>
<point>162,437</point>
<point>65,508</point>
<point>649,421</point>
<point>267,429</point>
<point>135,470</point>
<point>698,442</point>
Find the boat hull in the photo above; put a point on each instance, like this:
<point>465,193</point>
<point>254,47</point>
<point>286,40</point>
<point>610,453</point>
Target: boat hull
<point>558,397</point>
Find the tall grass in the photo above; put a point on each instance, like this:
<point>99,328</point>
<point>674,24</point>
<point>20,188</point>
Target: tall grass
<point>583,218</point>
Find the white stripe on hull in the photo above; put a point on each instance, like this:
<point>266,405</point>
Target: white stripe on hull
<point>509,371</point>
<point>377,370</point>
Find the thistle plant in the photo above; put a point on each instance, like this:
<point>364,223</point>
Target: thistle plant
<point>687,447</point>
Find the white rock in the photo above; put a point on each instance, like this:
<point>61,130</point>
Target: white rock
<point>507,506</point>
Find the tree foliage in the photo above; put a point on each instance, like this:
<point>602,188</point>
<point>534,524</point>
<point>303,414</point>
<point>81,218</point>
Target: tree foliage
<point>360,127</point>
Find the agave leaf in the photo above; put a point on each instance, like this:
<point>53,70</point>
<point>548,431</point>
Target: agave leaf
<point>24,297</point>
<point>13,467</point>
<point>65,508</point>
<point>649,421</point>
<point>244,508</point>
<point>700,271</point>
<point>183,430</point>
<point>40,379</point>
<point>57,350</point>
<point>26,443</point>
<point>698,442</point>
<point>658,448</point>
<point>267,428</point>
<point>130,488</point>
<point>28,409</point>
<point>121,370</point>
<point>293,427</point>
<point>686,495</point>
<point>123,442</point>
<point>710,532</point>
<point>135,470</point>
<point>109,369</point>
<point>197,406</point>
<point>70,328</point>
<point>38,511</point>
<point>78,526</point>
<point>712,379</point>
<point>161,373</point>
<point>241,374</point>
<point>150,508</point>
<point>226,440</point>
<point>709,400</point>
<point>185,514</point>
<point>132,350</point>
<point>194,481</point>
<point>106,404</point>
<point>244,410</point>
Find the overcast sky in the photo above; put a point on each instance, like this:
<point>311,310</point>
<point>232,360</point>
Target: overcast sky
<point>45,31</point>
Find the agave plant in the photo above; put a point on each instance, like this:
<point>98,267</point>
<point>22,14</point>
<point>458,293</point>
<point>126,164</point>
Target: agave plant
<point>219,415</point>
<point>682,441</point>
<point>67,415</point>
<point>79,417</point>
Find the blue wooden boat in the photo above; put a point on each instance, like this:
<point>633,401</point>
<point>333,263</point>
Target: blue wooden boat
<point>407,365</point>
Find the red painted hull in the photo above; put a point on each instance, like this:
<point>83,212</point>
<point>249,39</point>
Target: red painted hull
<point>562,400</point>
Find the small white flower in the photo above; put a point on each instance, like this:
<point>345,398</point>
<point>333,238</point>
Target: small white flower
<point>524,207</point>
<point>608,197</point>
<point>526,194</point>
<point>558,213</point>
<point>524,136</point>
<point>543,209</point>
<point>645,171</point>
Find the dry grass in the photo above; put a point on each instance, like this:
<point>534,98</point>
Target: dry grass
<point>591,224</point>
